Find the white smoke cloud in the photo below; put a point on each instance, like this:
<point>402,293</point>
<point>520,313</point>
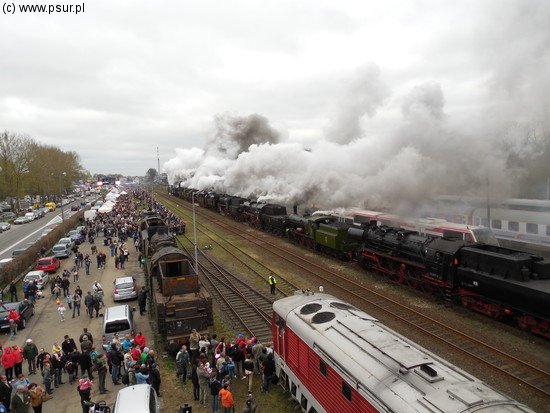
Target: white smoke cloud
<point>362,96</point>
<point>398,171</point>
<point>425,151</point>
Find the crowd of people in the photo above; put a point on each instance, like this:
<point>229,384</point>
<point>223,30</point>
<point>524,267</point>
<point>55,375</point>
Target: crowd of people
<point>211,365</point>
<point>127,360</point>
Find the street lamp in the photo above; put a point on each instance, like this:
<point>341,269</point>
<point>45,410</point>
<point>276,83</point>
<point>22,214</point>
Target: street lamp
<point>195,234</point>
<point>49,196</point>
<point>61,195</point>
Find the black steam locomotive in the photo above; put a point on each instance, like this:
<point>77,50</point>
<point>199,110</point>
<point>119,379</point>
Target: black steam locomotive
<point>499,282</point>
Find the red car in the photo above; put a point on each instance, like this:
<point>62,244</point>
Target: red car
<point>48,264</point>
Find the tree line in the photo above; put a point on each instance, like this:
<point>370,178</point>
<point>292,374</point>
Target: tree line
<point>31,168</point>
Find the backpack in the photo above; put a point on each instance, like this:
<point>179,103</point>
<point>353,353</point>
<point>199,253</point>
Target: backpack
<point>125,378</point>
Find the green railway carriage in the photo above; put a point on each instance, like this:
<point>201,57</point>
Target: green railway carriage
<point>322,233</point>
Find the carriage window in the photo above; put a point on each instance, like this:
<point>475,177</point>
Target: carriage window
<point>532,228</point>
<point>346,390</point>
<point>513,226</point>
<point>323,368</point>
<point>496,224</point>
<point>548,230</point>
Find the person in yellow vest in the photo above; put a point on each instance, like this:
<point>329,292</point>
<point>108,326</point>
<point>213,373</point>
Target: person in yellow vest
<point>272,282</point>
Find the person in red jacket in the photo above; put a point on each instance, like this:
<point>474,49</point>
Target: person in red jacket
<point>17,359</point>
<point>13,319</point>
<point>140,339</point>
<point>135,352</point>
<point>13,315</point>
<point>8,362</point>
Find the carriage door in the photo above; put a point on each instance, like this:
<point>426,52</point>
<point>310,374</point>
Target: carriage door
<point>281,341</point>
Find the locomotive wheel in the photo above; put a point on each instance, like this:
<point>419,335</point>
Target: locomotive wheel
<point>412,281</point>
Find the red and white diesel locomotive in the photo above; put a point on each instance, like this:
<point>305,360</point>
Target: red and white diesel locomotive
<point>333,358</point>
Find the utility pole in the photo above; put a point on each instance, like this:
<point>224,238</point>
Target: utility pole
<point>61,195</point>
<point>158,163</point>
<point>488,205</point>
<point>195,235</point>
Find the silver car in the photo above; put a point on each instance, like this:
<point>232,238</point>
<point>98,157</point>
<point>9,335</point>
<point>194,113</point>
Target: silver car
<point>4,226</point>
<point>66,241</point>
<point>125,288</point>
<point>40,277</point>
<point>61,251</point>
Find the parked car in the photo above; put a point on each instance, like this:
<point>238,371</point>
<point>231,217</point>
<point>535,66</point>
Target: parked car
<point>31,216</point>
<point>48,264</point>
<point>68,241</point>
<point>39,213</point>
<point>21,220</point>
<point>25,309</point>
<point>76,237</point>
<point>40,277</point>
<point>5,226</point>
<point>139,398</point>
<point>6,216</point>
<point>125,288</point>
<point>61,250</point>
<point>75,207</point>
<point>45,210</point>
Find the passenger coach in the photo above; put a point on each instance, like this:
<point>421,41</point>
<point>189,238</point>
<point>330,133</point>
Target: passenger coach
<point>333,357</point>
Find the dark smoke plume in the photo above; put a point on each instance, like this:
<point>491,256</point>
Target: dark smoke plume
<point>235,134</point>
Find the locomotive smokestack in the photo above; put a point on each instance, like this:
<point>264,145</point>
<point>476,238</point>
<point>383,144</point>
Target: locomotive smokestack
<point>295,209</point>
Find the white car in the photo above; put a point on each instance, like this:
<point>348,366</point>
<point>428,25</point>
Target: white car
<point>41,278</point>
<point>4,226</point>
<point>31,216</point>
<point>139,398</point>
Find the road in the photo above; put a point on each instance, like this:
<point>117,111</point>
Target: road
<point>20,235</point>
<point>45,327</point>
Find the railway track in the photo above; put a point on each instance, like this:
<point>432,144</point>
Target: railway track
<point>246,308</point>
<point>513,368</point>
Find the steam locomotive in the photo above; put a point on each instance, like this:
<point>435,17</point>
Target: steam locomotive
<point>502,283</point>
<point>179,305</point>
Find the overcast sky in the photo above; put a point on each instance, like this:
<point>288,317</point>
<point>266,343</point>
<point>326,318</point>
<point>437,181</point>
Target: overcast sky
<point>124,77</point>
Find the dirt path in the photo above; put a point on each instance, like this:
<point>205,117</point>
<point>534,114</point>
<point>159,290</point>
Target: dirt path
<point>45,327</point>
